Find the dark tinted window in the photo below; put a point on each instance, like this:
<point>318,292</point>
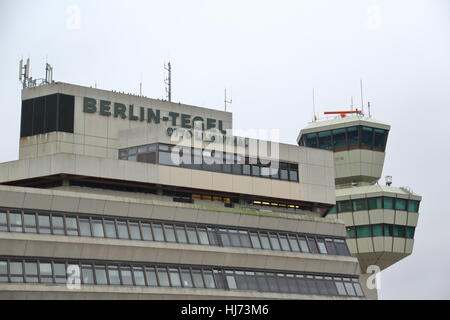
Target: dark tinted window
<point>39,115</point>
<point>66,113</point>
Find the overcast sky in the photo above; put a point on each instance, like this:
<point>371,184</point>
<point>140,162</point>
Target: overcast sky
<point>269,54</point>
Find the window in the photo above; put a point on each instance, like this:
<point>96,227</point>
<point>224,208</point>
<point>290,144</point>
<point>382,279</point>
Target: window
<point>209,279</point>
<point>413,205</point>
<point>15,221</point>
<point>198,279</point>
<point>344,206</point>
<point>293,172</point>
<point>303,244</point>
<point>264,241</point>
<point>340,287</point>
<point>388,230</point>
<point>313,289</point>
<point>175,278</point>
<point>349,288</point>
<point>125,273</point>
<point>351,232</point>
<point>333,210</point>
<point>85,227</point>
<point>255,170</point>
<point>262,282</point>
<point>352,135</point>
<point>341,247</point>
<point>399,231</point>
<point>100,275</point>
<point>339,139</point>
<point>301,284</point>
<point>282,283</point>
<point>322,247</point>
<point>400,204</point>
<point>58,225</point>
<point>138,274</point>
<point>163,277</point>
<point>30,222</point>
<point>97,228</point>
<point>377,230</point>
<point>313,245</point>
<point>72,226</point>
<point>146,231</point>
<point>16,271</point>
<point>358,289</point>
<point>293,243</point>
<point>380,139</point>
<point>165,158</point>
<point>325,140</point>
<point>274,242</point>
<point>284,243</point>
<point>31,271</point>
<point>311,140</point>
<point>331,249</point>
<point>3,222</point>
<point>255,240</point>
<point>375,203</point>
<point>366,136</point>
<point>410,232</point>
<point>135,233</point>
<point>388,203</point>
<point>245,239</point>
<point>46,272</point>
<point>363,231</point>
<point>192,235</point>
<point>186,278</point>
<point>231,281</point>
<point>203,236</point>
<point>122,229</point>
<point>110,229</point>
<point>60,272</point>
<point>170,233</point>
<point>87,273</point>
<point>181,235</point>
<point>151,277</point>
<point>359,204</point>
<point>284,172</point>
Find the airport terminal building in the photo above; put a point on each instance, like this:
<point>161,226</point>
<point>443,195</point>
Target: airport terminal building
<point>98,206</point>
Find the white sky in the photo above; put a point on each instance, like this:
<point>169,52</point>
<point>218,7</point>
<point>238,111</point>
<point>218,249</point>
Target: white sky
<point>269,54</point>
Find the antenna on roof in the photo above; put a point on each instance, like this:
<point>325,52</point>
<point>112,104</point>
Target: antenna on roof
<point>48,73</point>
<point>362,98</point>
<point>168,81</point>
<point>227,101</point>
<point>140,87</point>
<point>314,106</point>
<point>368,106</point>
<point>24,73</point>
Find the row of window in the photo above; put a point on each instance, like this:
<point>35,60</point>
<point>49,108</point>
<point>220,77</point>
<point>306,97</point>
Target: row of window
<point>381,230</point>
<point>119,228</point>
<point>130,274</point>
<point>207,160</point>
<point>376,203</point>
<point>345,138</point>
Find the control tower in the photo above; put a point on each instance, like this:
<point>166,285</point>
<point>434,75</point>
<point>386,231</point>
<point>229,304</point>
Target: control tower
<point>380,218</point>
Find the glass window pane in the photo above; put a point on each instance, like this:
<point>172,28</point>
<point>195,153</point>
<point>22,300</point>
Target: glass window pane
<point>255,240</point>
<point>303,244</point>
<point>400,204</point>
<point>170,233</point>
<point>340,288</point>
<point>110,229</point>
<point>388,203</point>
<point>375,203</point>
<point>151,277</point>
<point>363,231</point>
<point>15,268</point>
<point>359,204</point>
<point>146,231</point>
<point>399,231</point>
<point>139,276</point>
<point>72,226</point>
<point>135,233</point>
<point>165,158</point>
<point>15,222</point>
<point>413,206</point>
<point>312,285</point>
<point>380,139</point>
<point>186,278</point>
<point>339,139</point>
<point>60,272</point>
<point>209,279</point>
<point>58,225</point>
<point>251,280</point>
<point>45,270</point>
<point>322,247</point>
<point>192,235</point>
<point>158,232</point>
<point>358,289</point>
<point>325,140</point>
<point>30,223</point>
<point>366,136</point>
<point>203,235</point>
<point>265,241</point>
<point>127,279</point>
<point>3,222</point>
<point>234,238</point>
<point>100,275</point>
<point>245,239</point>
<point>262,282</point>
<point>31,272</point>
<point>198,279</point>
<point>350,289</point>
<point>122,229</point>
<point>313,245</point>
<point>333,210</point>
<point>255,170</point>
<point>330,246</point>
<point>293,175</point>
<point>294,244</point>
<point>163,277</point>
<point>284,243</point>
<point>85,227</point>
<point>410,232</point>
<point>341,247</point>
<point>231,281</point>
<point>271,280</point>
<point>352,135</point>
<point>377,230</point>
<point>311,140</point>
<point>351,232</point>
<point>344,206</point>
<point>387,230</point>
<point>88,275</point>
<point>181,235</point>
<point>175,277</point>
<point>97,228</point>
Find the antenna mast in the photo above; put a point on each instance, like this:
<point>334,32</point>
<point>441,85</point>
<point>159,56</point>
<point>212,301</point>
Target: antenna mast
<point>168,81</point>
<point>24,73</point>
<point>362,98</point>
<point>314,105</point>
<point>227,101</point>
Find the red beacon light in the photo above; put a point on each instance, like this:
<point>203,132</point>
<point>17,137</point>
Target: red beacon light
<point>343,114</point>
